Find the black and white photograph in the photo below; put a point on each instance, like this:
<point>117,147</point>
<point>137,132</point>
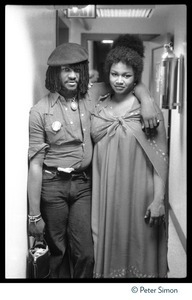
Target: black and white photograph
<point>96,144</point>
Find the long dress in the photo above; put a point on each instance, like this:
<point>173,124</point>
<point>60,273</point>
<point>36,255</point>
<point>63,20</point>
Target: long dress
<point>123,164</point>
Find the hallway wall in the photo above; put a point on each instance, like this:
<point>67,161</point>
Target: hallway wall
<point>30,37</point>
<point>178,148</point>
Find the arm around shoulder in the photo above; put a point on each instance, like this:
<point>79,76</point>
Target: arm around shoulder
<point>97,90</point>
<point>148,110</point>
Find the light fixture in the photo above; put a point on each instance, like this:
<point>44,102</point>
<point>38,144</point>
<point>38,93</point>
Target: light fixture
<point>74,9</point>
<point>81,11</point>
<point>124,11</point>
<point>107,41</point>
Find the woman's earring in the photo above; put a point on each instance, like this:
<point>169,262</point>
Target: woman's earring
<point>134,88</point>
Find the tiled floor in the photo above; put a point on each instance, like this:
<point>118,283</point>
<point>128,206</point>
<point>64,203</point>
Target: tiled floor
<point>176,255</point>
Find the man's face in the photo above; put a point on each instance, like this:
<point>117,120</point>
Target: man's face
<point>69,78</point>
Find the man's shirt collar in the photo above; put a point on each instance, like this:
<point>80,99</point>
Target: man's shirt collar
<point>54,97</point>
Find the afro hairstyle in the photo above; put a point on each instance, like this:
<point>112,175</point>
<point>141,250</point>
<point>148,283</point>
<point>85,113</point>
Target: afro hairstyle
<point>126,56</point>
<point>131,41</point>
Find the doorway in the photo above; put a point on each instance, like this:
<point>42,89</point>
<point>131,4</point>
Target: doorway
<point>98,50</point>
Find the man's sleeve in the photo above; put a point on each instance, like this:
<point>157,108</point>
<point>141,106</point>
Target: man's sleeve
<point>37,143</point>
<point>97,90</point>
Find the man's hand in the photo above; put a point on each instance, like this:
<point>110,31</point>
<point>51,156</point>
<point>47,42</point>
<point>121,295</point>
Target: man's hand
<point>37,229</point>
<point>150,132</point>
<point>149,118</point>
<point>149,113</point>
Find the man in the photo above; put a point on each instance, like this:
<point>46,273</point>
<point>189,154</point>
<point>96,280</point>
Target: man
<point>60,154</point>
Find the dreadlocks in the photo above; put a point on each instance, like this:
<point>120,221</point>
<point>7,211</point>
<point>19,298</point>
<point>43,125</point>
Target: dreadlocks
<point>53,84</point>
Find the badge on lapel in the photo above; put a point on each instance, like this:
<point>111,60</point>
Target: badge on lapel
<point>56,126</point>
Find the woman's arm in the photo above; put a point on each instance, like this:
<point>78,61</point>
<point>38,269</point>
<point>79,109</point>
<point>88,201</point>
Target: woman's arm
<point>155,213</point>
<point>148,111</point>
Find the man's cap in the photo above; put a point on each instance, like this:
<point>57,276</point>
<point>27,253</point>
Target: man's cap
<point>66,54</point>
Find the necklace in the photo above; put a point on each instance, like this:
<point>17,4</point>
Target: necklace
<point>74,104</point>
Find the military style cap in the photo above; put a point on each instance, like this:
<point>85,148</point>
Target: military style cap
<point>67,53</point>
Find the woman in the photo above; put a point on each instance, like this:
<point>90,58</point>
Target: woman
<point>129,178</point>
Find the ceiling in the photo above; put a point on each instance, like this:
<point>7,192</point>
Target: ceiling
<point>157,10</point>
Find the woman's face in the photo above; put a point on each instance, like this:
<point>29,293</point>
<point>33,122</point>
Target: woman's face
<point>121,78</point>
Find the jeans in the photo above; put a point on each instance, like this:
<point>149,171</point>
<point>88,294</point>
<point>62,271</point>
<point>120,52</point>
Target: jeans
<point>66,211</point>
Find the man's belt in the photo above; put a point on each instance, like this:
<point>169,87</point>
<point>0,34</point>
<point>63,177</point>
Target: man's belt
<point>62,172</point>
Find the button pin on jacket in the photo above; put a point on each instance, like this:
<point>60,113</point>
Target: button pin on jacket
<point>56,126</point>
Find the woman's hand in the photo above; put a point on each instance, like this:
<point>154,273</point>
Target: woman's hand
<point>37,229</point>
<point>155,214</point>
